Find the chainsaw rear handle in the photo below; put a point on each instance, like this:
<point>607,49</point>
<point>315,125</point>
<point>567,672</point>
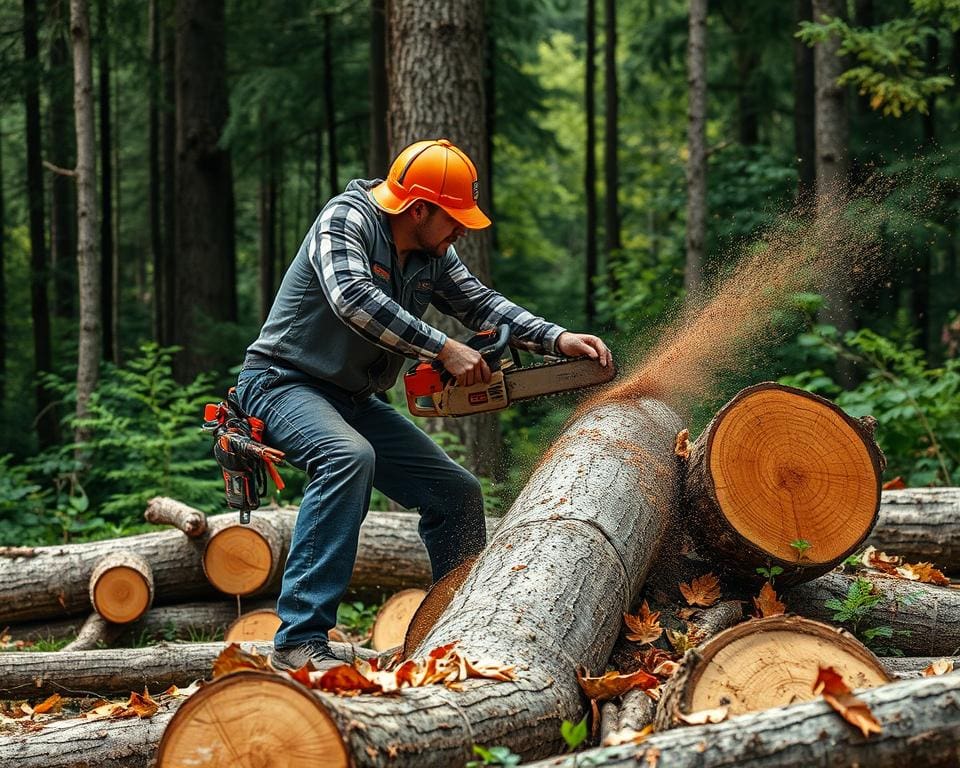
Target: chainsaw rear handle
<point>491,351</point>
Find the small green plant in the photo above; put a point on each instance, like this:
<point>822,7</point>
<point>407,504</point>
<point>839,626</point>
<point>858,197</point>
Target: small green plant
<point>574,734</point>
<point>861,598</point>
<point>493,756</point>
<point>357,618</point>
<point>853,561</point>
<point>770,572</point>
<point>801,545</point>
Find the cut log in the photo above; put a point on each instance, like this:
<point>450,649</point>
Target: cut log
<point>924,619</point>
<point>42,583</point>
<point>393,619</point>
<point>259,625</point>
<point>783,477</point>
<point>764,663</point>
<point>36,674</point>
<point>920,720</point>
<point>163,511</point>
<point>547,594</point>
<point>434,603</point>
<point>121,587</point>
<point>912,667</point>
<point>920,524</point>
<point>242,559</point>
<point>95,631</point>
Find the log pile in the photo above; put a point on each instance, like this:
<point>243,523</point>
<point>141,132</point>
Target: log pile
<point>623,517</point>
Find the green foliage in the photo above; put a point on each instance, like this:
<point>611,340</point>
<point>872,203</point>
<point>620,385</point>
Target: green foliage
<point>574,734</point>
<point>770,572</point>
<point>357,618</point>
<point>493,756</point>
<point>801,545</point>
<point>862,596</point>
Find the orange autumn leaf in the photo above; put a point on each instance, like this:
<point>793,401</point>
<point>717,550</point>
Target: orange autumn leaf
<point>924,573</point>
<point>767,603</point>
<point>894,485</point>
<point>142,705</point>
<point>346,679</point>
<point>703,591</point>
<point>880,561</point>
<point>614,684</point>
<point>644,628</point>
<point>235,659</point>
<point>939,667</point>
<point>52,703</point>
<point>830,684</point>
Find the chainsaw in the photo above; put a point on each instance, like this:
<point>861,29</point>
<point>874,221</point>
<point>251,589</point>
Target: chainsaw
<point>433,391</point>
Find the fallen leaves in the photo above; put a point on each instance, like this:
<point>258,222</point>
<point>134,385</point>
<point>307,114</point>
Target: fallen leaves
<point>893,565</point>
<point>613,684</point>
<point>938,667</point>
<point>704,716</point>
<point>644,628</point>
<point>627,736</point>
<point>703,591</point>
<point>682,446</point>
<point>234,659</point>
<point>836,693</point>
<point>767,603</point>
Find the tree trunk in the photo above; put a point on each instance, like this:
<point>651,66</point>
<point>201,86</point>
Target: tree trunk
<point>268,224</point>
<point>46,421</point>
<point>924,619</point>
<point>51,582</point>
<point>697,147</point>
<point>379,157</point>
<point>154,183</point>
<point>168,173</point>
<point>782,477</point>
<point>919,719</point>
<point>546,594</point>
<point>436,91</point>
<point>205,262</point>
<point>329,104</point>
<point>611,165</point>
<point>63,263</point>
<point>106,183</point>
<point>920,524</point>
<point>833,163</point>
<point>762,664</point>
<point>803,109</point>
<point>88,267</point>
<point>3,290</point>
<point>590,164</point>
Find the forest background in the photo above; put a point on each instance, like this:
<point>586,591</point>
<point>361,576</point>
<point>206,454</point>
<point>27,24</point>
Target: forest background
<point>160,167</point>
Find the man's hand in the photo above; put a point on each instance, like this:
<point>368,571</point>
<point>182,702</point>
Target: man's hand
<point>464,362</point>
<point>578,344</point>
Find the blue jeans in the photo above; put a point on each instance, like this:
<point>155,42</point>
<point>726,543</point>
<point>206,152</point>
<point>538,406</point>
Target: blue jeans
<point>346,448</point>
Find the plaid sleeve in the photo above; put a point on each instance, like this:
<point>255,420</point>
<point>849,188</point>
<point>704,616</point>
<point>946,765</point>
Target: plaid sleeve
<point>459,293</point>
<point>338,252</point>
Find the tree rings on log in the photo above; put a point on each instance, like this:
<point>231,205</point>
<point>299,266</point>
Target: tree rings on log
<point>260,625</point>
<point>393,618</point>
<point>121,587</point>
<point>252,718</point>
<point>242,559</point>
<point>435,602</point>
<point>783,477</point>
<point>764,663</point>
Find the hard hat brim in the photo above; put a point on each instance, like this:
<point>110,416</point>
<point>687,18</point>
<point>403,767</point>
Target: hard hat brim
<point>387,200</point>
<point>471,218</point>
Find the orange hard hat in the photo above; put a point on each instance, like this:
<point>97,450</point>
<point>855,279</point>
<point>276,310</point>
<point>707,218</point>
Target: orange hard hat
<point>438,172</point>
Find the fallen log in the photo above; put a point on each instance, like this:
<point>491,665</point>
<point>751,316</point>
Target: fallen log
<point>36,674</point>
<point>260,625</point>
<point>39,583</point>
<point>923,619</point>
<point>920,720</point>
<point>547,594</point>
<point>121,587</point>
<point>920,524</point>
<point>243,558</point>
<point>433,605</point>
<point>764,663</point>
<point>782,477</point>
<point>95,631</point>
<point>393,619</point>
<point>163,511</point>
<point>912,667</point>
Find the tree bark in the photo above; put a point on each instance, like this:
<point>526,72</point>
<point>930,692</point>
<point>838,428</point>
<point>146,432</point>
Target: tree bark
<point>63,263</point>
<point>205,266</point>
<point>781,477</point>
<point>379,158</point>
<point>88,262</point>
<point>547,594</point>
<point>924,619</point>
<point>154,183</point>
<point>163,511</point>
<point>106,183</point>
<point>329,105</point>
<point>697,147</point>
<point>436,91</point>
<point>3,288</point>
<point>51,582</point>
<point>803,109</point>
<point>912,667</point>
<point>919,719</point>
<point>46,421</point>
<point>168,172</point>
<point>590,164</point>
<point>920,524</point>
<point>611,165</point>
<point>268,222</point>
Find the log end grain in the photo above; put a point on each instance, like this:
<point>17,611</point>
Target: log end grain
<point>252,718</point>
<point>242,559</point>
<point>393,618</point>
<point>121,587</point>
<point>259,625</point>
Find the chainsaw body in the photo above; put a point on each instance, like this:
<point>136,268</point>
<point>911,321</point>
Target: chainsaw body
<point>432,391</point>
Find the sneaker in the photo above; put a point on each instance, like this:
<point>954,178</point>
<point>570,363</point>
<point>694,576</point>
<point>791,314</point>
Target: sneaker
<point>316,651</point>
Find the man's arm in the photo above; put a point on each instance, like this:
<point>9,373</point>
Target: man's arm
<point>338,254</point>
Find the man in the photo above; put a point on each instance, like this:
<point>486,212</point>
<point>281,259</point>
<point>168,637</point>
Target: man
<point>344,321</point>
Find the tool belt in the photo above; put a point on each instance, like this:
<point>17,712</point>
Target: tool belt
<point>244,461</point>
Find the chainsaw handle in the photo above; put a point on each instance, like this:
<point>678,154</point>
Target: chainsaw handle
<point>491,351</point>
